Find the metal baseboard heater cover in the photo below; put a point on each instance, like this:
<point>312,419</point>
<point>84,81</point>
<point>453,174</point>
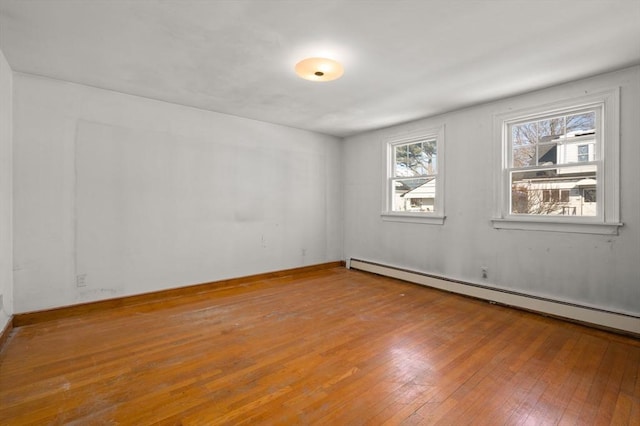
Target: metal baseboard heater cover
<point>597,317</point>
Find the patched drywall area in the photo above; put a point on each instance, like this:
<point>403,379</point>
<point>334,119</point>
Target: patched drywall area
<point>599,271</point>
<point>146,200</point>
<point>6,192</point>
<point>119,195</point>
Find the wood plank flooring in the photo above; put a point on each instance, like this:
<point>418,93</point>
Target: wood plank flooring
<point>328,347</point>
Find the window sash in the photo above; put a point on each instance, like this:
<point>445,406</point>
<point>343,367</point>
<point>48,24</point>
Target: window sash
<point>575,140</point>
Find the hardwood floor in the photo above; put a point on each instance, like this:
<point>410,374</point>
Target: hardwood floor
<point>330,347</point>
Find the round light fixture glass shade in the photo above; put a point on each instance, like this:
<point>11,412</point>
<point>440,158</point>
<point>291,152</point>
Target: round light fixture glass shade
<point>319,69</point>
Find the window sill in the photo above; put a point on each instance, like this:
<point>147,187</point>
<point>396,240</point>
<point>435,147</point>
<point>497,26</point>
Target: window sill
<point>429,219</point>
<point>526,224</point>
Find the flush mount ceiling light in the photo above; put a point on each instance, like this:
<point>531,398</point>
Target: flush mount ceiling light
<point>319,69</point>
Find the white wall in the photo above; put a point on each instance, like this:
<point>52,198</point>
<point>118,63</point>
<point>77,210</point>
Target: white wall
<point>6,193</point>
<point>83,207</point>
<point>118,195</point>
<point>592,270</point>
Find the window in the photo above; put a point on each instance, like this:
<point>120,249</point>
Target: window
<point>414,182</point>
<point>557,163</point>
<point>583,153</point>
<point>555,195</point>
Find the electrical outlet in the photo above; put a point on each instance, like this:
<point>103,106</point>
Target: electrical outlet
<point>81,280</point>
<point>485,272</point>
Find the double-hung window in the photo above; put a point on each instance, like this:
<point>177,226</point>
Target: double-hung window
<point>559,166</point>
<point>414,182</point>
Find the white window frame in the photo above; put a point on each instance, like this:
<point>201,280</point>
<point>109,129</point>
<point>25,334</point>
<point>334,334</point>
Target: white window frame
<point>435,217</point>
<point>607,220</point>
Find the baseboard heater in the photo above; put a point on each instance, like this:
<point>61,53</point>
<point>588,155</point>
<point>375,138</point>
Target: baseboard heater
<point>626,323</point>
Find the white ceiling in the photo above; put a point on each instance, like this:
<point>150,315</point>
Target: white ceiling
<point>403,59</point>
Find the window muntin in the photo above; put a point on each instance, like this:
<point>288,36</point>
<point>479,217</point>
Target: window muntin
<point>553,163</point>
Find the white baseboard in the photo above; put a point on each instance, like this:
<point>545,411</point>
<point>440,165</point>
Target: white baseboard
<point>584,314</point>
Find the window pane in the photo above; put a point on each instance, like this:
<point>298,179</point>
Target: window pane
<point>581,124</point>
<point>524,134</point>
<point>551,129</point>
<point>415,159</point>
<point>547,154</point>
<point>414,195</point>
<point>562,191</point>
<point>399,157</point>
<point>430,149</point>
<point>524,156</point>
